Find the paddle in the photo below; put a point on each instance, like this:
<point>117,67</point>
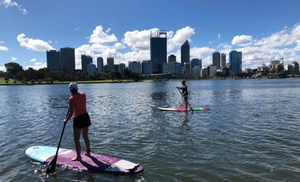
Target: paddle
<point>52,164</point>
<point>186,100</point>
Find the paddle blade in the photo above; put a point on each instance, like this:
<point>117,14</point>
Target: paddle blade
<point>51,166</point>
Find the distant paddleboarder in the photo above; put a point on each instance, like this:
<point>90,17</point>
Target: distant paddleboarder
<point>81,119</point>
<point>184,93</point>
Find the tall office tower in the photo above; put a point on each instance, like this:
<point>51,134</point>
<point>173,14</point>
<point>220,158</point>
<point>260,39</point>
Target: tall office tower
<point>185,53</point>
<point>235,61</point>
<point>216,57</point>
<point>158,50</point>
<point>85,61</point>
<point>53,62</point>
<point>223,60</point>
<point>121,68</point>
<point>110,64</point>
<point>171,58</point>
<point>100,64</point>
<point>67,59</point>
<point>296,67</point>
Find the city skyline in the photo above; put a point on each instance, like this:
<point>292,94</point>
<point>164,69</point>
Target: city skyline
<point>262,30</point>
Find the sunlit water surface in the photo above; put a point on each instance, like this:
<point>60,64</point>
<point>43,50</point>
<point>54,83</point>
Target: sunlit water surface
<point>251,133</point>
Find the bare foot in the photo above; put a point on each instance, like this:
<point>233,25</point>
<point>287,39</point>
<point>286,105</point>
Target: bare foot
<point>88,152</point>
<point>76,159</point>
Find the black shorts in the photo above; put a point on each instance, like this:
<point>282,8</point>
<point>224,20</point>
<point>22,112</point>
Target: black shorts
<point>82,121</point>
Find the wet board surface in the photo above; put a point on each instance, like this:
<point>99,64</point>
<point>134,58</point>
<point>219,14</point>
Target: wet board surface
<point>96,163</point>
<point>183,109</point>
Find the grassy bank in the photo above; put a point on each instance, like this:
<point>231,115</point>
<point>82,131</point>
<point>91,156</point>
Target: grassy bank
<point>14,82</point>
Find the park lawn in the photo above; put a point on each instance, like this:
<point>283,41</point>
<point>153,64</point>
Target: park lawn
<point>3,81</point>
<point>12,81</point>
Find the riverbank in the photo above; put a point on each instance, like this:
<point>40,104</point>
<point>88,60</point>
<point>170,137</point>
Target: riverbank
<point>14,82</point>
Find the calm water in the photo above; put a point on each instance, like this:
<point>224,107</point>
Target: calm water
<point>251,133</point>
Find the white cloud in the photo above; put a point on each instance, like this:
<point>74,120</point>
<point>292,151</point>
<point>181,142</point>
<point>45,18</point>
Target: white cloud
<point>2,68</point>
<point>33,60</point>
<point>180,37</point>
<point>37,66</point>
<point>33,44</point>
<point>3,48</point>
<point>137,40</point>
<point>241,39</point>
<point>99,36</point>
<point>9,3</point>
<point>135,46</point>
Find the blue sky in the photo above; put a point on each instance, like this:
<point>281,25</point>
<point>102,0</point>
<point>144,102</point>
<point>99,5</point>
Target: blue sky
<point>263,30</point>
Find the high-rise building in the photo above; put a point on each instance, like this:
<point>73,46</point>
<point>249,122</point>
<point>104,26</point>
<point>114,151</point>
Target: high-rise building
<point>296,67</point>
<point>158,50</point>
<point>110,64</point>
<point>85,61</point>
<point>185,52</point>
<point>135,66</point>
<point>121,68</point>
<point>216,57</point>
<point>147,67</point>
<point>53,61</point>
<point>171,58</point>
<point>173,68</point>
<point>100,64</point>
<point>91,68</point>
<point>67,59</point>
<point>196,62</point>
<point>223,60</point>
<point>235,61</point>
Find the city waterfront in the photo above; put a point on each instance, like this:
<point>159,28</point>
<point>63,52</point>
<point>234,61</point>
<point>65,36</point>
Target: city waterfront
<point>251,132</point>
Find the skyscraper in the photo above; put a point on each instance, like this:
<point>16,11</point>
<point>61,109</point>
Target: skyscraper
<point>100,64</point>
<point>85,61</point>
<point>196,62</point>
<point>216,57</point>
<point>171,58</point>
<point>110,64</point>
<point>67,59</point>
<point>158,50</point>
<point>223,60</point>
<point>53,62</point>
<point>235,61</point>
<point>185,52</point>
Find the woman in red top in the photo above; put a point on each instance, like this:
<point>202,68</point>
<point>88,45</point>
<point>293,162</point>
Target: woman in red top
<point>81,119</point>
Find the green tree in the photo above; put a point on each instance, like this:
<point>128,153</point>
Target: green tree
<point>13,69</point>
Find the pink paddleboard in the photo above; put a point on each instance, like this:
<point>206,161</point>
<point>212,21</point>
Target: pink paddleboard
<point>97,163</point>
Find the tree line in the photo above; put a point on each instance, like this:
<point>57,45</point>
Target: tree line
<point>15,71</point>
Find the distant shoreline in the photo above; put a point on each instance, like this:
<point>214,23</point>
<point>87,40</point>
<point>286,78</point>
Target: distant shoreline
<point>66,82</point>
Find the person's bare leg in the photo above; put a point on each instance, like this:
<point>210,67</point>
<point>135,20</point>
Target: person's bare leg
<point>76,133</point>
<point>85,132</point>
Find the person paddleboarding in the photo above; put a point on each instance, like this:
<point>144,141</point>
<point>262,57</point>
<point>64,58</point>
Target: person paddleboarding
<point>184,93</point>
<point>81,119</point>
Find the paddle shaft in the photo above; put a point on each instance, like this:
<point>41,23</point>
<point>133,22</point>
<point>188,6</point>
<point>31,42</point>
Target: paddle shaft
<point>186,100</point>
<point>52,164</point>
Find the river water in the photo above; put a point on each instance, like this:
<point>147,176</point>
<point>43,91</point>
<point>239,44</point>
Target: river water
<point>251,133</point>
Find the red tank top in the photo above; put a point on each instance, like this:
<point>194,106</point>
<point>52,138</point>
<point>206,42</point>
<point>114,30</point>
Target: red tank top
<point>79,102</point>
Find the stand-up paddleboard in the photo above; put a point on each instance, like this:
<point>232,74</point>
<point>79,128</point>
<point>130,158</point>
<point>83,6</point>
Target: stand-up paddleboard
<point>96,163</point>
<point>183,109</point>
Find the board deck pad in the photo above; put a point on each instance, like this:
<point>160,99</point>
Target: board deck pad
<point>97,163</point>
<point>183,109</point>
